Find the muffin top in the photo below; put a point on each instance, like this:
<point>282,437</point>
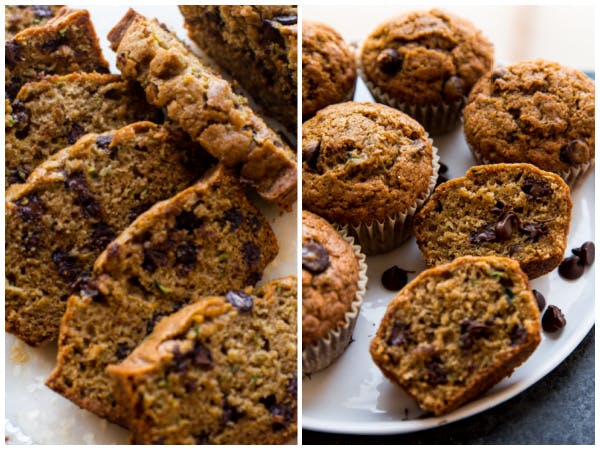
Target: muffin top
<point>329,278</point>
<point>364,162</point>
<point>533,111</point>
<point>328,68</point>
<point>425,58</point>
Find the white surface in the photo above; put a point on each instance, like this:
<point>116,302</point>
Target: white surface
<point>34,413</point>
<point>352,396</point>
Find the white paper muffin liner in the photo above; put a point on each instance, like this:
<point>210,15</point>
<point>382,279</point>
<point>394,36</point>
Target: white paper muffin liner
<point>572,176</point>
<point>323,353</point>
<point>380,237</point>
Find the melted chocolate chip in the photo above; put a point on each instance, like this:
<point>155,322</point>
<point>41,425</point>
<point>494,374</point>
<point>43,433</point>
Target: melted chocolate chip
<point>517,335</point>
<point>454,89</point>
<point>103,141</point>
<point>154,258</point>
<point>12,88</point>
<point>286,20</point>
<point>186,255</point>
<point>77,182</point>
<point>240,300</point>
<point>202,357</point>
<point>394,278</point>
<point>230,413</point>
<point>553,319</point>
<point>310,153</point>
<point>570,268</point>
<point>575,152</point>
<point>505,226</point>
<point>122,351</point>
<point>30,208</point>
<point>198,356</point>
<point>51,45</point>
<point>102,235</point>
<point>586,253</point>
<point>436,374</point>
<point>12,54</point>
<point>251,253</point>
<point>472,330</point>
<point>390,61</point>
<point>281,415</point>
<point>66,265</point>
<point>539,298</point>
<point>400,334</point>
<point>75,133</point>
<point>534,230</point>
<point>485,233</point>
<point>42,11</point>
<point>187,220</point>
<point>315,258</point>
<point>235,218</point>
<point>536,187</point>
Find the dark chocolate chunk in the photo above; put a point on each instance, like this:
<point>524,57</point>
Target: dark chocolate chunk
<point>570,268</point>
<point>517,335</point>
<point>505,227</point>
<point>66,265</point>
<point>315,258</point>
<point>286,20</point>
<point>536,187</point>
<point>240,300</point>
<point>186,254</point>
<point>390,61</point>
<point>12,54</point>
<point>122,351</point>
<point>539,298</point>
<point>310,153</point>
<point>553,319</point>
<point>187,220</point>
<point>77,182</point>
<point>235,218</point>
<point>454,88</point>
<point>103,141</point>
<point>154,258</point>
<point>586,253</point>
<point>436,374</point>
<point>472,330</point>
<point>42,11</point>
<point>75,133</point>
<point>251,253</point>
<point>102,235</point>
<point>400,334</point>
<point>394,278</point>
<point>575,152</point>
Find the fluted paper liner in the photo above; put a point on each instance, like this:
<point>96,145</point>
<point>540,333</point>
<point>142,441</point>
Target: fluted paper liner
<point>323,353</point>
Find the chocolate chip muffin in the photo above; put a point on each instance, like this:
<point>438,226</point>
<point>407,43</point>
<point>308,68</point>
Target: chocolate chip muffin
<point>333,287</point>
<point>328,68</point>
<point>512,210</point>
<point>368,166</point>
<point>425,64</point>
<point>206,240</point>
<point>536,112</point>
<point>456,330</point>
<point>219,371</point>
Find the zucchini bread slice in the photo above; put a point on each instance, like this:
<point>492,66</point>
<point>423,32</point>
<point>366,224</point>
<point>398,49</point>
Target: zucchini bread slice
<point>205,240</point>
<point>456,330</point>
<point>66,43</point>
<point>48,115</point>
<point>19,17</point>
<point>512,210</point>
<point>222,370</point>
<point>205,106</point>
<point>257,45</point>
<point>73,205</point>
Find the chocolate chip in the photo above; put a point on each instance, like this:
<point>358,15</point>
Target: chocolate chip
<point>75,133</point>
<point>394,278</point>
<point>505,227</point>
<point>12,88</point>
<point>486,233</point>
<point>122,351</point>
<point>154,258</point>
<point>30,208</point>
<point>575,152</point>
<point>436,374</point>
<point>443,168</point>
<point>66,265</point>
<point>586,253</point>
<point>499,73</point>
<point>292,387</point>
<point>77,182</point>
<point>187,220</point>
<point>235,218</point>
<point>536,187</point>
<point>400,334</point>
<point>454,89</point>
<point>103,141</point>
<point>570,268</point>
<point>286,20</point>
<point>553,319</point>
<point>390,61</point>
<point>42,11</point>
<point>281,415</point>
<point>517,335</point>
<point>269,401</point>
<point>471,330</point>
<point>20,115</point>
<point>240,300</point>
<point>51,45</point>
<point>539,298</point>
<point>202,356</point>
<point>230,413</point>
<point>251,253</point>
<point>12,54</point>
<point>534,230</point>
<point>186,255</point>
<point>310,153</point>
<point>102,235</point>
<point>315,258</point>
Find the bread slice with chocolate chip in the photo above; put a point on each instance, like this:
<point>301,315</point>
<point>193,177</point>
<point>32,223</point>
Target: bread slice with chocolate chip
<point>73,205</point>
<point>512,210</point>
<point>456,330</point>
<point>205,106</point>
<point>19,17</point>
<point>206,240</point>
<point>67,43</point>
<point>222,370</point>
<point>47,116</point>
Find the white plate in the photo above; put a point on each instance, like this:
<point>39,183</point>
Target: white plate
<point>352,396</point>
<point>33,412</point>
